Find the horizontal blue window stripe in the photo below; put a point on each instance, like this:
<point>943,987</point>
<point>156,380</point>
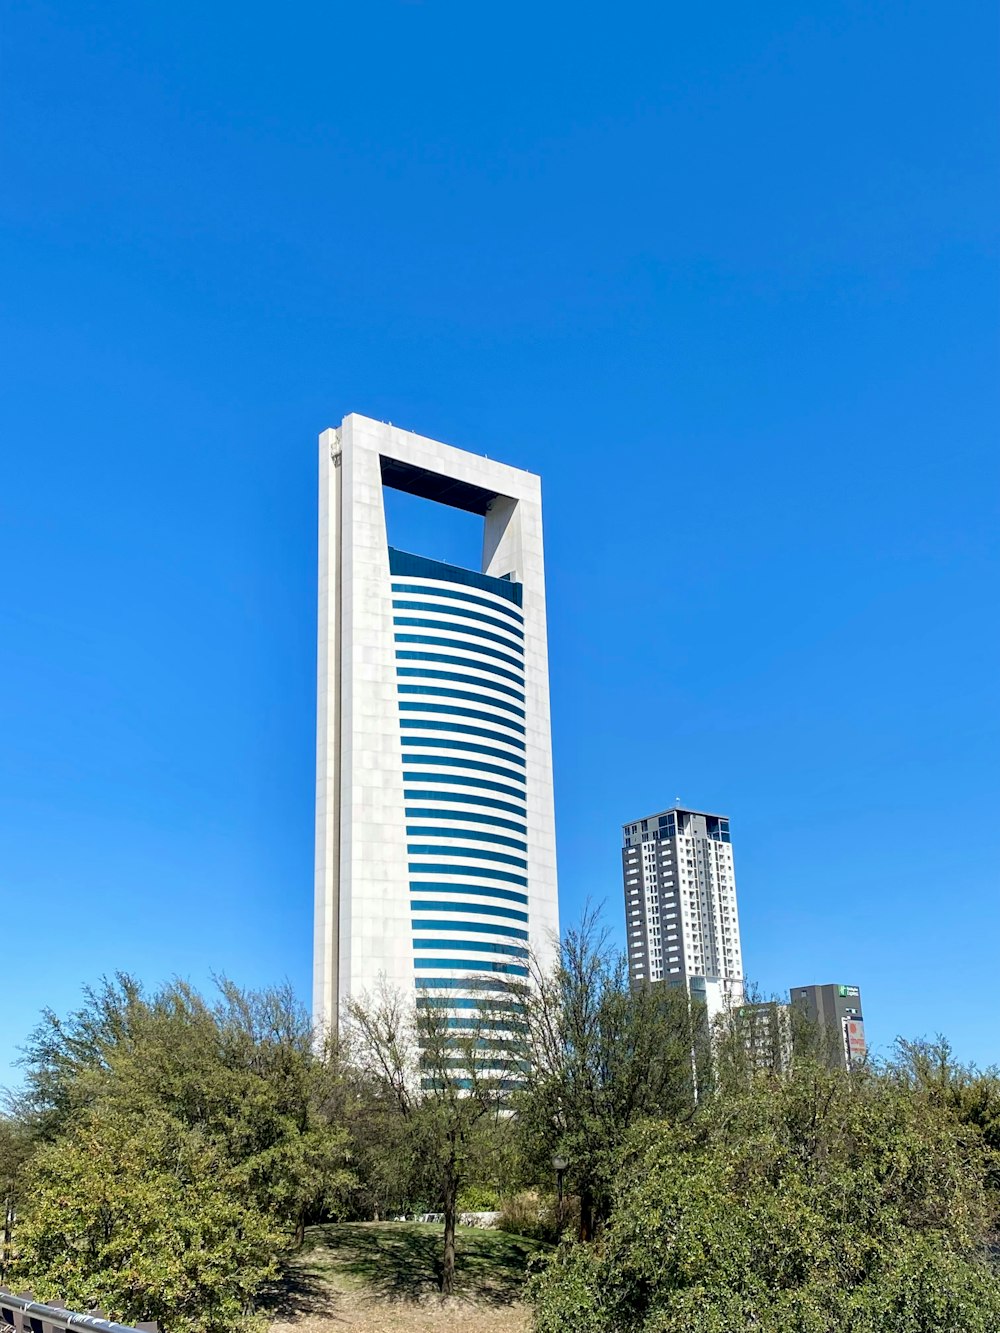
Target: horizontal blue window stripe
<point>430,724</point>
<point>459,595</point>
<point>474,1023</point>
<point>503,953</point>
<point>461,983</point>
<point>430,673</point>
<point>458,780</point>
<point>404,565</point>
<point>469,890</point>
<point>471,965</point>
<point>473,946</point>
<point>466,799</point>
<point>453,710</point>
<point>484,909</point>
<point>460,694</point>
<point>469,816</point>
<point>413,761</point>
<point>463,745</point>
<point>474,927</point>
<point>450,660</point>
<point>460,613</point>
<point>469,647</point>
<point>466,1084</point>
<point>486,872</point>
<point>474,853</point>
<point>415,623</point>
<point>467,1002</point>
<point>477,835</point>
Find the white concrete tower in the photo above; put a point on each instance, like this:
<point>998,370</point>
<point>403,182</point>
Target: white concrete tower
<point>435,838</point>
<point>680,904</point>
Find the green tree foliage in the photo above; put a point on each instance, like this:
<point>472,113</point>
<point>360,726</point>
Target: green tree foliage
<point>602,1056</point>
<point>226,1107</point>
<point>16,1147</point>
<point>137,1214</point>
<point>437,1086</point>
<point>818,1203</point>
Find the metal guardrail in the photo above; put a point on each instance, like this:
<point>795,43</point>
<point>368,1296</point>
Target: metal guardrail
<point>24,1314</point>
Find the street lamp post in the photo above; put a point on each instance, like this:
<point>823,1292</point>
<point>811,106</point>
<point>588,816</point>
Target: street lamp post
<point>559,1165</point>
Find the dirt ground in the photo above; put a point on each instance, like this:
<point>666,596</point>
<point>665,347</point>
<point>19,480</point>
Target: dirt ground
<point>434,1317</point>
<point>370,1277</point>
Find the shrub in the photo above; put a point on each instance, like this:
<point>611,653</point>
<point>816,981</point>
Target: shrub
<point>826,1204</point>
<point>529,1214</point>
<point>478,1199</point>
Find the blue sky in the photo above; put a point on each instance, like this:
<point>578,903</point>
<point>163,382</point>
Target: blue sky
<point>725,276</point>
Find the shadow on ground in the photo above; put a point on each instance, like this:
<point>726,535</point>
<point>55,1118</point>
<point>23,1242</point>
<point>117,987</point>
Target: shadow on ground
<point>401,1262</point>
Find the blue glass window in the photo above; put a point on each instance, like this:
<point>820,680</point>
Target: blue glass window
<point>474,946</point>
<point>461,643</point>
<point>432,725</point>
<point>483,835</point>
<point>449,625</point>
<point>460,614</point>
<point>467,816</point>
<point>412,761</point>
<point>461,694</point>
<point>459,678</point>
<point>458,781</point>
<point>453,711</point>
<point>467,799</point>
<point>441,591</point>
<point>470,872</point>
<point>467,891</point>
<point>472,965</point>
<point>463,745</point>
<point>403,564</point>
<point>475,927</point>
<point>467,662</point>
<point>475,853</point>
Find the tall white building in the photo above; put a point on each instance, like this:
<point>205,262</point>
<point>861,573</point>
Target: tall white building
<point>680,904</point>
<point>435,843</point>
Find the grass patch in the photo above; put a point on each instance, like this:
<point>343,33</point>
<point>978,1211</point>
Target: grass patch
<point>400,1262</point>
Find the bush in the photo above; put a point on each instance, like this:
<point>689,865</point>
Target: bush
<point>138,1215</point>
<point>530,1214</point>
<point>825,1204</point>
<point>478,1199</point>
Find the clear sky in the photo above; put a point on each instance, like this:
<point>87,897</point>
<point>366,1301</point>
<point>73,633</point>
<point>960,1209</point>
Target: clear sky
<point>726,276</point>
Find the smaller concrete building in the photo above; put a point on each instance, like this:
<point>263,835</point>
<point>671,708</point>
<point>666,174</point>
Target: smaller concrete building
<point>834,1013</point>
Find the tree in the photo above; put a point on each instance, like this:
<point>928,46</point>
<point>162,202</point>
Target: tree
<point>819,1202</point>
<point>223,1115</point>
<point>16,1146</point>
<point>602,1055</point>
<point>439,1080</point>
<point>136,1213</point>
<point>244,1072</point>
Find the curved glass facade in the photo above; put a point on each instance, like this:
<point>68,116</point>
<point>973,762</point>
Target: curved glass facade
<point>463,641</point>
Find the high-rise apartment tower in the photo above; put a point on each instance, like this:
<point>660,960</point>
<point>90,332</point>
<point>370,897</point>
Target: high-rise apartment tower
<point>435,847</point>
<point>680,904</point>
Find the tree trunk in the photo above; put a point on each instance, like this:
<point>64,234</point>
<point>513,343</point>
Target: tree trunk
<point>450,1210</point>
<point>8,1233</point>
<point>586,1232</point>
